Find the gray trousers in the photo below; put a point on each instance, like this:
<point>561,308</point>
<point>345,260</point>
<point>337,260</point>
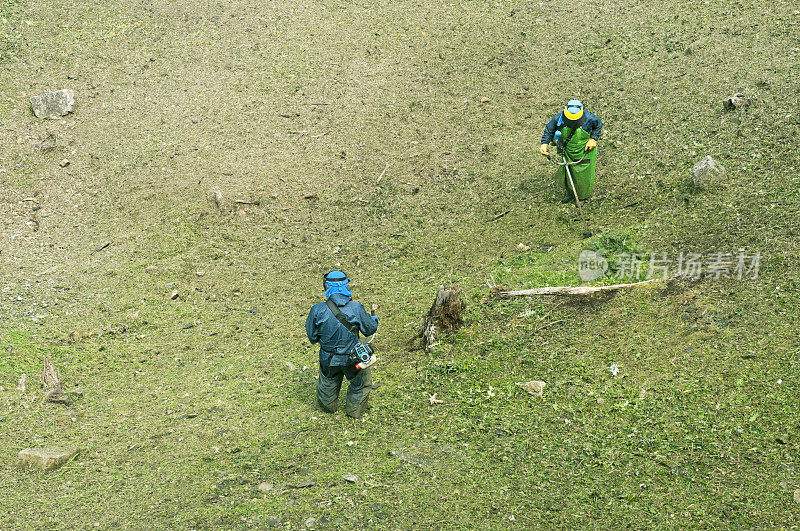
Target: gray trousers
<point>330,383</point>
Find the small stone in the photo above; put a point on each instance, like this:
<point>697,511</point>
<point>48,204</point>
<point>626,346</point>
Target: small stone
<point>64,163</point>
<point>47,144</point>
<point>350,478</point>
<point>265,487</point>
<point>797,496</point>
<point>217,200</point>
<point>310,195</point>
<point>707,172</point>
<point>522,247</point>
<point>200,273</point>
<point>302,484</point>
<point>534,387</point>
<point>484,99</point>
<point>310,521</point>
<point>290,366</point>
<point>46,459</point>
<point>53,105</point>
<point>174,295</point>
<point>57,395</point>
<point>782,439</point>
<point>735,101</point>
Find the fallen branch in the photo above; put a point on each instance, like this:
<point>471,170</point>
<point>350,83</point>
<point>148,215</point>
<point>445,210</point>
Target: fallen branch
<point>380,177</point>
<point>548,324</point>
<point>498,216</point>
<point>573,290</point>
<point>101,248</point>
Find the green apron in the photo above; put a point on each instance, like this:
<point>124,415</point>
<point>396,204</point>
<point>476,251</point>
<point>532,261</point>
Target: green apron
<point>582,173</point>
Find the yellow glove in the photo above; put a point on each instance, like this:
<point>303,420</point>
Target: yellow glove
<point>591,144</point>
<point>543,150</point>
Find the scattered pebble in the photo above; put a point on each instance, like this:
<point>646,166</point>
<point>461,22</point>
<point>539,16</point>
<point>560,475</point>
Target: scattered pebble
<point>350,478</point>
<point>302,484</point>
<point>534,387</point>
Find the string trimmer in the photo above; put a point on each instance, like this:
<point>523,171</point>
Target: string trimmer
<point>587,233</point>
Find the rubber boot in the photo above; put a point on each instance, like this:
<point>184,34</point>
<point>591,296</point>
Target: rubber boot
<point>358,393</point>
<point>328,392</point>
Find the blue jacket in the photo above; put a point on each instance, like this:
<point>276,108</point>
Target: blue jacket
<point>592,125</point>
<point>334,339</point>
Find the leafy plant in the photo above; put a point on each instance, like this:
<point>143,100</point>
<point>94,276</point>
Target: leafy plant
<point>623,254</point>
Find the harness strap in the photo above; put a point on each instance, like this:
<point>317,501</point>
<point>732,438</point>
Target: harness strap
<point>351,327</point>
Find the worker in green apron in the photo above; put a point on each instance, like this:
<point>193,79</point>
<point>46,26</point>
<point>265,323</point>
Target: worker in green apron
<point>575,132</point>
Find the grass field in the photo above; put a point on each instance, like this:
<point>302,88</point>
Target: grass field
<point>199,412</point>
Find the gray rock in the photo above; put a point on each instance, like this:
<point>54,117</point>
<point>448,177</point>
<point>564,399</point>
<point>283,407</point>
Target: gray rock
<point>47,144</point>
<point>46,459</point>
<point>707,172</point>
<point>735,101</point>
<point>265,487</point>
<point>53,104</point>
<point>302,483</point>
<point>350,478</point>
<point>310,521</point>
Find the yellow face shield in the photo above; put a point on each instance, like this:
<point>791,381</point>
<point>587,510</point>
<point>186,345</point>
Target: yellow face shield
<point>572,116</point>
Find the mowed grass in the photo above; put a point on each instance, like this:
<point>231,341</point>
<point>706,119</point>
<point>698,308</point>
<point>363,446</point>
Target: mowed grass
<point>294,110</point>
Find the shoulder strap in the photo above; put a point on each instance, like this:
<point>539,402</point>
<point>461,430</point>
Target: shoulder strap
<point>352,327</point>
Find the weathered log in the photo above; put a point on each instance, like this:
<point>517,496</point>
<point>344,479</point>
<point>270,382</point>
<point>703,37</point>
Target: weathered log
<point>573,290</point>
<point>444,317</point>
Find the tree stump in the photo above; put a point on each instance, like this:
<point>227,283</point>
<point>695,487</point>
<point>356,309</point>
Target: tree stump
<point>53,391</point>
<point>444,317</point>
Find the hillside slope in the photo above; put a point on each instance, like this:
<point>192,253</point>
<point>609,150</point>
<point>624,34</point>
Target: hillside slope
<point>198,411</point>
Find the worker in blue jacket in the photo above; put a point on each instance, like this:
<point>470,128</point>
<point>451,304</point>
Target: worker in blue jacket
<point>572,119</point>
<point>337,344</point>
<point>573,116</point>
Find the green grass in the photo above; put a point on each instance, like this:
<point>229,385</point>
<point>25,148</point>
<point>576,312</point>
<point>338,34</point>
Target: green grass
<point>188,405</point>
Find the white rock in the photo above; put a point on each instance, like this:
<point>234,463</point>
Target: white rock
<point>53,105</point>
<point>707,172</point>
<point>534,387</point>
<point>46,459</point>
